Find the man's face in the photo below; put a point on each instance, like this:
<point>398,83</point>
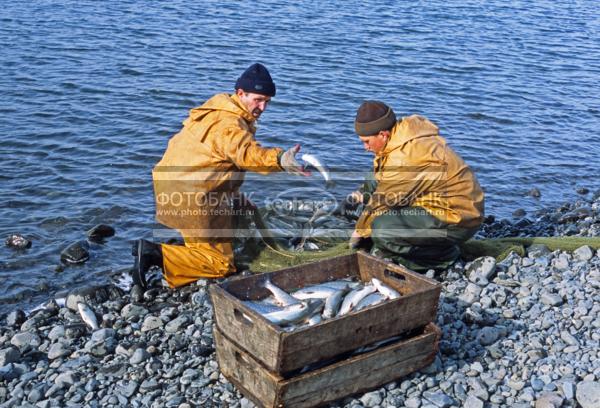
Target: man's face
<point>375,143</point>
<point>254,103</point>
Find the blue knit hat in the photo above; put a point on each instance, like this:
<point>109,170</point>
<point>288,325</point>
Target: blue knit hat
<point>256,79</point>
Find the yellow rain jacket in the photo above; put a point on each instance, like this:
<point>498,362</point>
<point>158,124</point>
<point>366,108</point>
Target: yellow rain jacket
<point>201,171</point>
<point>418,168</point>
<point>204,166</point>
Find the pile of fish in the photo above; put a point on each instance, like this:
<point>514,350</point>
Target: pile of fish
<point>312,304</point>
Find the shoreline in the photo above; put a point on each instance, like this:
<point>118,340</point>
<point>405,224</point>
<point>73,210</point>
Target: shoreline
<point>518,333</point>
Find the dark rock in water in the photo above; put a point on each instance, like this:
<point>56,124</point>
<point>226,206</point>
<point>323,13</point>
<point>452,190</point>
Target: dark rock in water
<point>17,241</point>
<point>582,190</point>
<point>518,213</point>
<point>93,295</point>
<point>15,318</point>
<point>99,232</point>
<point>75,253</point>
<point>534,192</point>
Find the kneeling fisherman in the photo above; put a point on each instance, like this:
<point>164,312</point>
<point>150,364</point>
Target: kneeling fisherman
<point>422,200</point>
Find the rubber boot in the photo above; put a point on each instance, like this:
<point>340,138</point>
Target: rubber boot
<point>148,254</point>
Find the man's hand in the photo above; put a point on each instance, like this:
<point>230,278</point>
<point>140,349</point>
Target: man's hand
<point>288,162</point>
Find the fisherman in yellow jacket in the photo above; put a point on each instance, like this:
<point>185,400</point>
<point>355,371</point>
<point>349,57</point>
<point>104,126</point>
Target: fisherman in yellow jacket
<point>423,200</point>
<point>197,181</point>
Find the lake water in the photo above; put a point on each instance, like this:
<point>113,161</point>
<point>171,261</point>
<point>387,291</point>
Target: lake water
<point>92,91</point>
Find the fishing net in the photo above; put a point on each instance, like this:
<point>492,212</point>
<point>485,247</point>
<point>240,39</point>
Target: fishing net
<point>266,259</point>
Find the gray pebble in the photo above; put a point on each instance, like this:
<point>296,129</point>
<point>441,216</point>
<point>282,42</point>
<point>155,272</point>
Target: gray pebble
<point>588,394</point>
<point>9,355</point>
<point>412,402</point>
<point>551,299</point>
<point>473,402</point>
<point>438,398</point>
<point>58,350</point>
<point>139,355</point>
<point>584,253</point>
<point>549,400</point>
<point>488,335</point>
<point>177,324</point>
<point>371,399</point>
<point>151,323</point>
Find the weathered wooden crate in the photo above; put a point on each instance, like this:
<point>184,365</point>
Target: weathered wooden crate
<point>338,380</point>
<point>282,351</point>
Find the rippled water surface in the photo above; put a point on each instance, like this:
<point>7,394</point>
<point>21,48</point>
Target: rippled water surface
<point>92,91</point>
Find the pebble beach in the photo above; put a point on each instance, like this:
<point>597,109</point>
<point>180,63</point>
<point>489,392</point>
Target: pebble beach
<point>523,332</point>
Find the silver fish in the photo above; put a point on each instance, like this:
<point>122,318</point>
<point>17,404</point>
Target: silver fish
<point>262,308</point>
<point>333,302</point>
<point>315,292</point>
<point>341,284</point>
<point>316,163</point>
<point>284,298</point>
<point>314,319</point>
<point>354,297</point>
<point>88,315</point>
<point>294,313</point>
<point>385,290</point>
<point>372,299</point>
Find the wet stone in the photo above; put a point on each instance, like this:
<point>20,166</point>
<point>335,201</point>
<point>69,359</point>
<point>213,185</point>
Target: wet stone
<point>17,241</point>
<point>15,318</point>
<point>99,232</point>
<point>76,253</point>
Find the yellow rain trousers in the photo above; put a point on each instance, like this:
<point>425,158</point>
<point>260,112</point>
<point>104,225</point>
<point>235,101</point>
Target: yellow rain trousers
<point>196,181</point>
<point>186,264</point>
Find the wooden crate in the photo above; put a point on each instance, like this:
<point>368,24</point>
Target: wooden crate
<point>338,380</point>
<point>282,351</point>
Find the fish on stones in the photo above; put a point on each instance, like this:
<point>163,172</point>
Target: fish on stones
<point>96,294</point>
<point>88,316</point>
<point>316,163</point>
